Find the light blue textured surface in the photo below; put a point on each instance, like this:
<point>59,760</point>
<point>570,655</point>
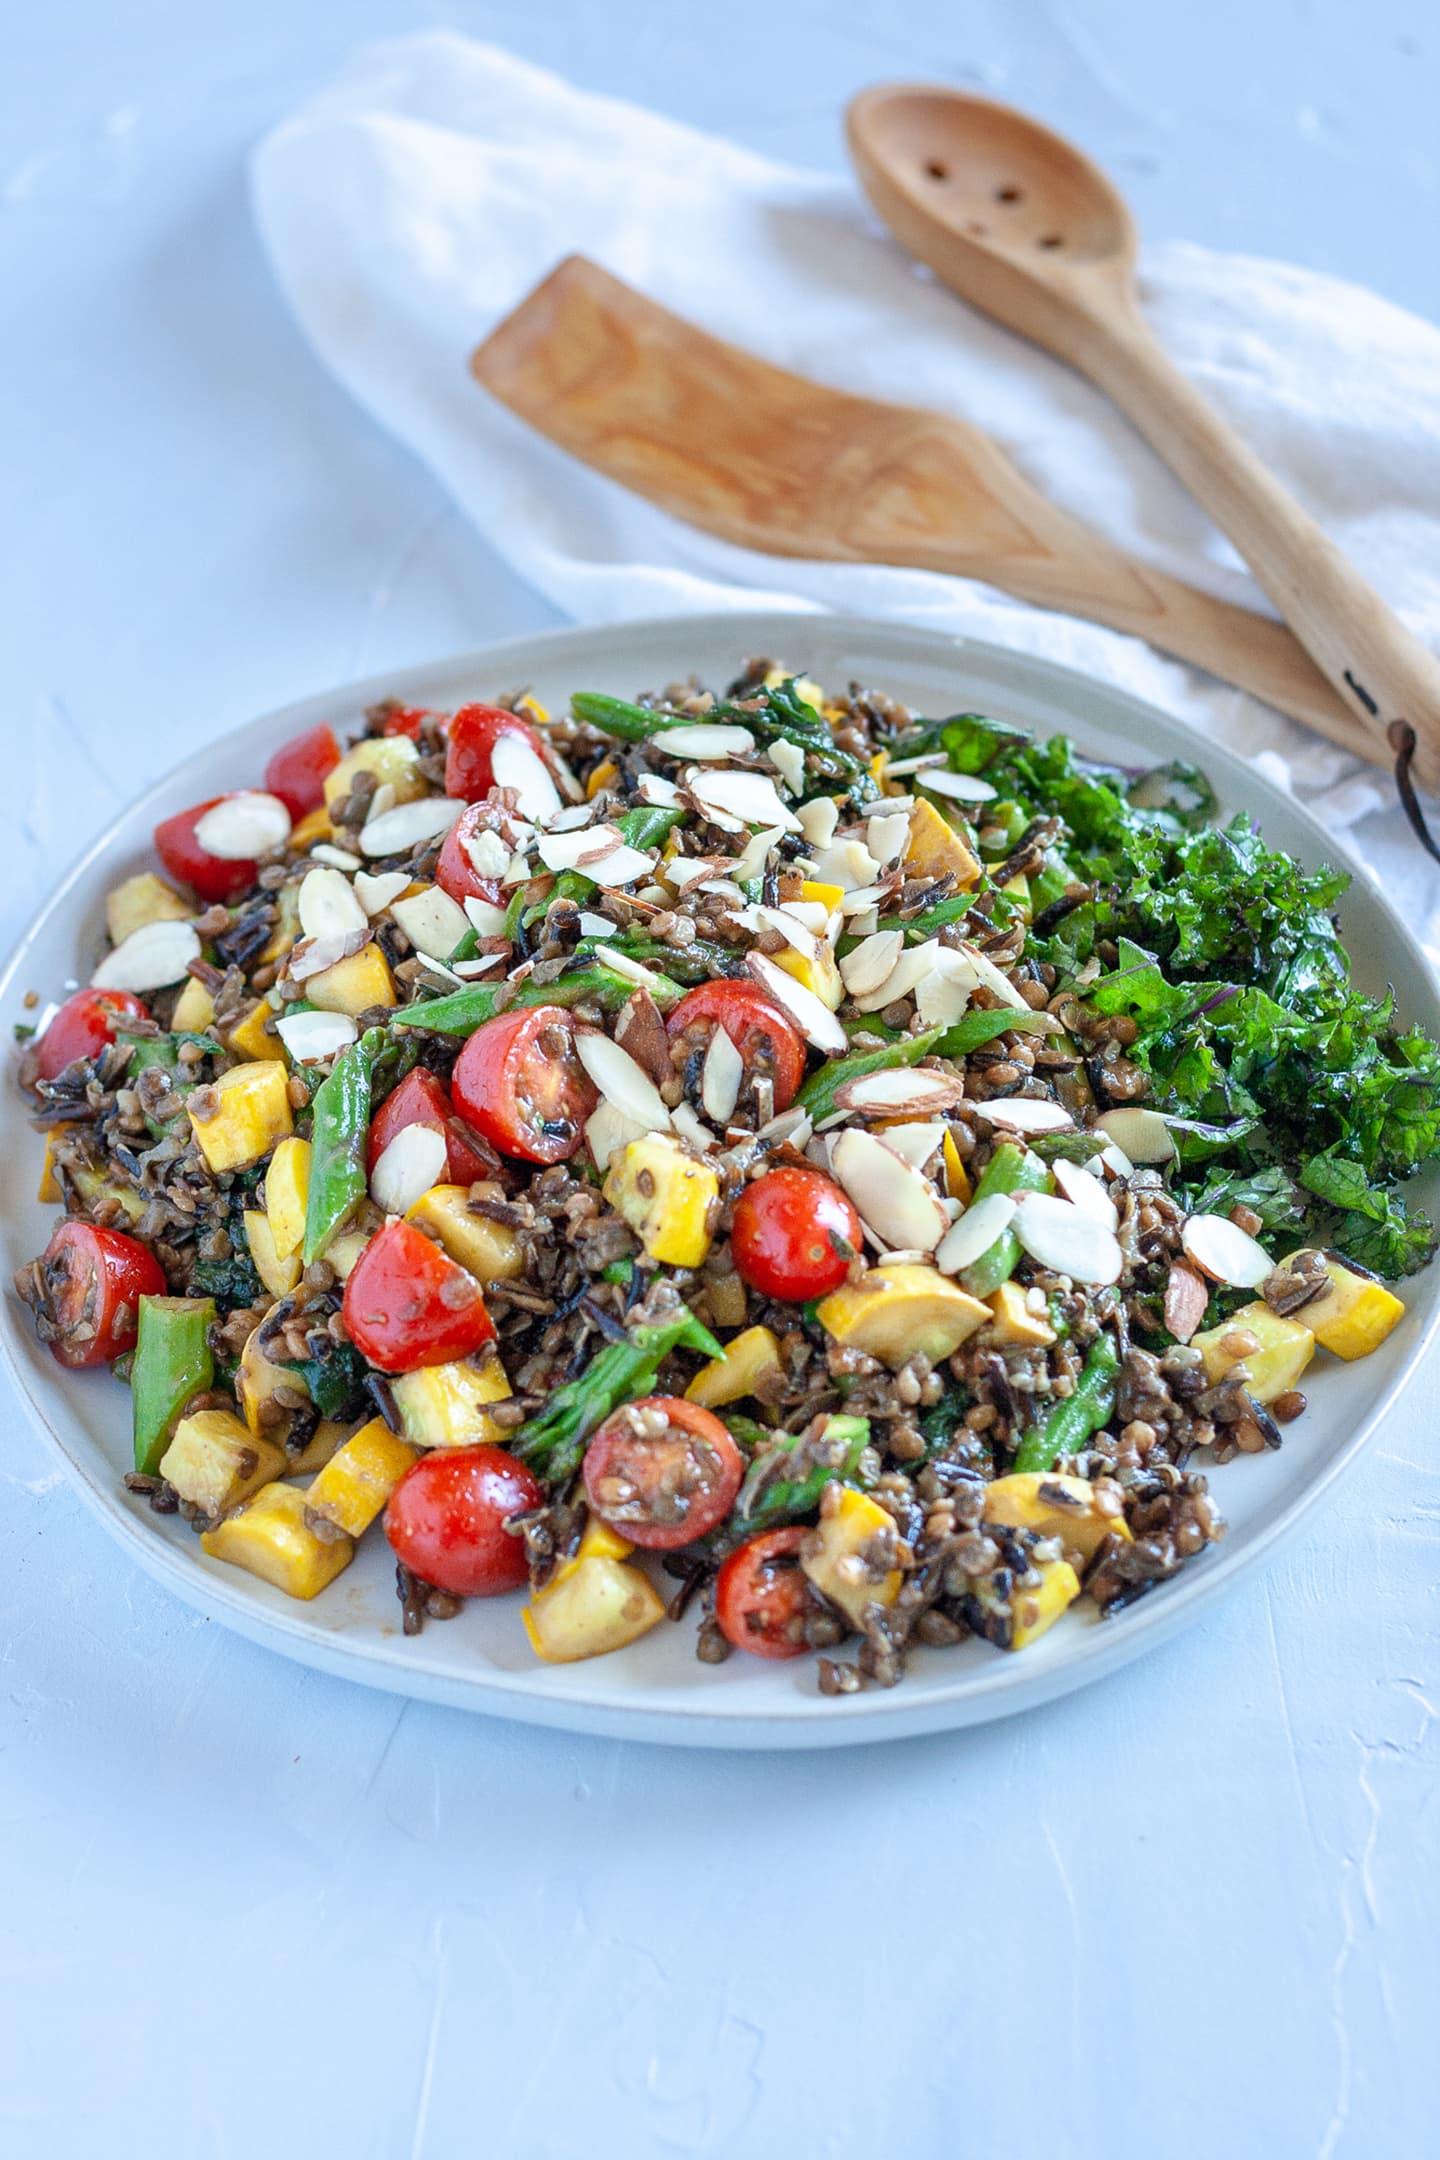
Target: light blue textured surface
<point>244,1909</point>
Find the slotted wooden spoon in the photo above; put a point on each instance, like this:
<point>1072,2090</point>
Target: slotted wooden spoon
<point>1016,221</point>
<point>775,462</point>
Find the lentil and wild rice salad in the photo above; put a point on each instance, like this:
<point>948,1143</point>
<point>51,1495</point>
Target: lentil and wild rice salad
<point>864,1166</point>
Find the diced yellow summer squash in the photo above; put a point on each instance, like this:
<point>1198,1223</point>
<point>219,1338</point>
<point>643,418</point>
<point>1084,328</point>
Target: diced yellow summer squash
<point>806,687</point>
<point>820,974</point>
<point>489,1251</point>
<point>841,1556</point>
<point>257,1378</point>
<point>1014,1322</point>
<point>279,1276</point>
<point>214,1462</point>
<point>1018,890</point>
<point>1354,1315</point>
<point>750,1359</point>
<point>445,1405</point>
<point>343,1251</point>
<point>194,1008</point>
<point>1053,1506</point>
<point>270,1537</point>
<point>592,1604</point>
<point>605,772</point>
<point>957,1177</point>
<point>934,847</point>
<point>393,759</point>
<point>1282,1350</point>
<point>900,1308</point>
<point>668,1197</point>
<point>1036,1610</point>
<point>142,899</point>
<point>251,1115</point>
<point>49,1186</point>
<point>328,1437</point>
<point>313,827</point>
<point>818,894</point>
<point>287,1194</point>
<point>359,1478</point>
<point>352,986</point>
<point>249,1037</point>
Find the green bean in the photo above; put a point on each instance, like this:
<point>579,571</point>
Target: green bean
<point>338,1139</point>
<point>172,1363</point>
<point>1074,1422</point>
<point>589,982</point>
<point>769,1496</point>
<point>819,1092</point>
<point>553,1441</point>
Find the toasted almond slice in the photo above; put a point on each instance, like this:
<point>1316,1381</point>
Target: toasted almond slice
<point>570,819</point>
<point>486,919</point>
<point>915,1144</point>
<point>960,787</point>
<point>1063,1237</point>
<point>791,1127</point>
<point>789,761</point>
<point>311,1037</point>
<point>1225,1252</point>
<point>620,963</point>
<point>413,1162</point>
<point>906,1092</point>
<point>1115,1161</point>
<point>578,850</point>
<point>791,929</point>
<point>1023,1113</point>
<point>815,1021</point>
<point>871,962</point>
<point>692,1128</point>
<point>1087,1192</point>
<point>704,739</point>
<point>1187,1297</point>
<point>720,1077</point>
<point>328,904</point>
<point>974,1233</point>
<point>151,958</point>
<point>621,1081</point>
<point>242,826</point>
<point>885,836</point>
<point>467,970</point>
<point>909,971</point>
<point>376,893</point>
<point>607,1130</point>
<point>752,797</point>
<point>818,819</point>
<point>517,764</point>
<point>622,866</point>
<point>408,824</point>
<point>655,789</point>
<point>896,1202</point>
<point>1143,1135</point>
<point>846,863</point>
<point>595,926</point>
<point>339,858</point>
<point>994,978</point>
<point>947,990</point>
<point>433,922</point>
<point>901,768</point>
<point>313,955</point>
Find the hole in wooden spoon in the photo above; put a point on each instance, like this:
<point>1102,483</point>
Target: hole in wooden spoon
<point>1008,194</point>
<point>935,170</point>
<point>1051,240</point>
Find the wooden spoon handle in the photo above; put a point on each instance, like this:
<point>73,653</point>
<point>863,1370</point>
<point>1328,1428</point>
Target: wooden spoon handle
<point>1380,669</point>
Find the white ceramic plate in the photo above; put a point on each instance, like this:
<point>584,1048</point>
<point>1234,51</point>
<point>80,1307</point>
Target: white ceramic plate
<point>657,1690</point>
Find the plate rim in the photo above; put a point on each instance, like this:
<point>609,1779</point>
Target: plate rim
<point>871,1715</point>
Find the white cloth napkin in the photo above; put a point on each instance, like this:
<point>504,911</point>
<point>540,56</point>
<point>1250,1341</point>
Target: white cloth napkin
<point>417,199</point>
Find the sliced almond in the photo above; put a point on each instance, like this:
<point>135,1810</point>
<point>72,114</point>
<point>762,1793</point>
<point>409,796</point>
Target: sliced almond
<point>791,1128</point>
<point>846,863</point>
<point>791,929</point>
<point>994,978</point>
<point>704,739</point>
<point>578,850</point>
<point>487,854</point>
<point>975,1233</point>
<point>818,819</point>
<point>620,963</point>
<point>909,971</point>
<point>328,904</point>
<point>1142,1135</point>
<point>1063,1237</point>
<point>339,858</point>
<point>1225,1252</point>
<point>947,990</point>
<point>395,831</point>
<point>750,796</point>
<point>597,926</point>
<point>815,1021</point>
<point>151,958</point>
<point>313,955</point>
<point>488,920</point>
<point>896,1201</point>
<point>518,765</point>
<point>789,761</point>
<point>376,893</point>
<point>871,962</point>
<point>754,857</point>
<point>413,1162</point>
<point>1087,1192</point>
<point>621,1081</point>
<point>312,1037</point>
<point>960,787</point>
<point>622,866</point>
<point>608,1130</point>
<point>690,1128</point>
<point>720,1078</point>
<point>1187,1298</point>
<point>241,827</point>
<point>901,768</point>
<point>433,922</point>
<point>905,1092</point>
<point>917,1145</point>
<point>886,836</point>
<point>655,789</point>
<point>1023,1113</point>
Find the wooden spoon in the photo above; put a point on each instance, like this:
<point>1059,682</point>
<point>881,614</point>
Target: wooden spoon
<point>1017,222</point>
<point>772,461</point>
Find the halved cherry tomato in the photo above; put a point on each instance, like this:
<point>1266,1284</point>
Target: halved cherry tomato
<point>454,871</point>
<point>82,1027</point>
<point>521,1085</point>
<point>474,732</point>
<point>761,1595</point>
<point>662,1471</point>
<point>91,1284</point>
<point>446,1520</point>
<point>210,876</point>
<point>407,1304</point>
<point>297,771</point>
<point>406,720</point>
<point>768,1043</point>
<point>794,1235</point>
<point>422,1098</point>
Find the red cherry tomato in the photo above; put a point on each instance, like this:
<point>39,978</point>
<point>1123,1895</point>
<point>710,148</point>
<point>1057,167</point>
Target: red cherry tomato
<point>769,1044</point>
<point>520,1083</point>
<point>662,1472</point>
<point>454,871</point>
<point>794,1235</point>
<point>474,732</point>
<point>91,1284</point>
<point>82,1027</point>
<point>297,771</point>
<point>446,1520</point>
<point>761,1595</point>
<point>209,876</point>
<point>407,720</point>
<point>407,1304</point>
<point>423,1099</point>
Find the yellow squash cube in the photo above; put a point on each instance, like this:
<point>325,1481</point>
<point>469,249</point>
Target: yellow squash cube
<point>359,1478</point>
<point>820,975</point>
<point>957,1177</point>
<point>287,1194</point>
<point>278,1275</point>
<point>1272,1350</point>
<point>935,848</point>
<point>1055,1506</point>
<point>900,1308</point>
<point>393,759</point>
<point>1014,1322</point>
<point>606,771</point>
<point>750,1359</point>
<point>142,899</point>
<point>1036,1610</point>
<point>445,1405</point>
<point>270,1537</point>
<point>667,1195</point>
<point>841,1555</point>
<point>489,1251</point>
<point>823,895</point>
<point>1354,1316</point>
<point>194,1008</point>
<point>343,1251</point>
<point>251,1038</point>
<point>257,1379</point>
<point>251,1114</point>
<point>325,1442</point>
<point>352,986</point>
<point>214,1462</point>
<point>592,1604</point>
<point>49,1186</point>
<point>314,826</point>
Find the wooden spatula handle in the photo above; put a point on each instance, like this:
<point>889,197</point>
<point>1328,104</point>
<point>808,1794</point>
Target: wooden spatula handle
<point>1376,665</point>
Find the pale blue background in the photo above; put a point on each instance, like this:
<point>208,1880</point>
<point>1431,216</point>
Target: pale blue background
<point>244,1909</point>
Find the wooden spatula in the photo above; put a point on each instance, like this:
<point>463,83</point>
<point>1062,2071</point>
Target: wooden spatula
<point>775,462</point>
